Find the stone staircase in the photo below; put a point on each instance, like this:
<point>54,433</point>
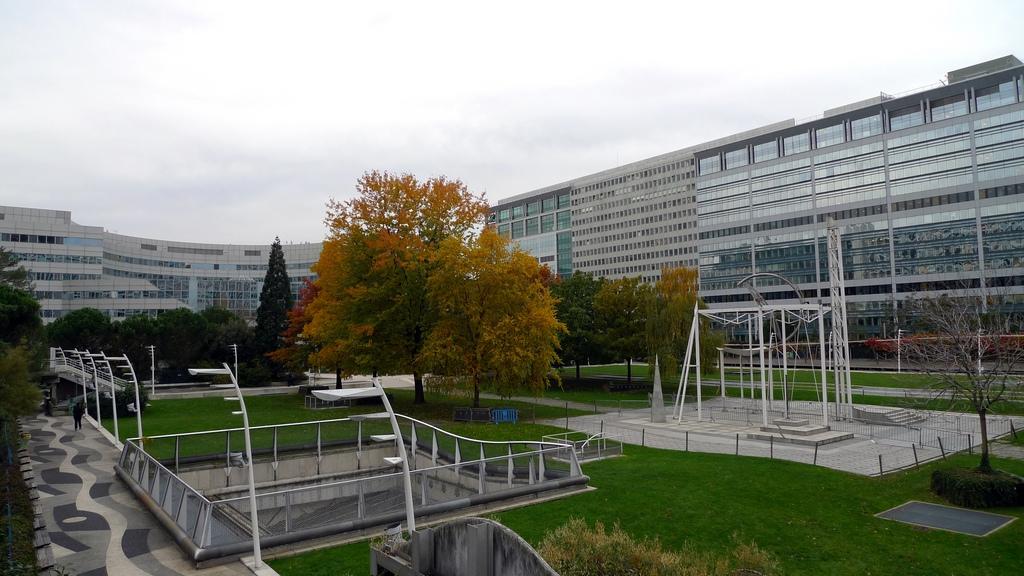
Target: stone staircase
<point>887,416</point>
<point>802,432</point>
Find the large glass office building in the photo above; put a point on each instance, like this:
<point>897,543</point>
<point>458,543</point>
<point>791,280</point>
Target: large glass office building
<point>74,266</point>
<point>925,186</point>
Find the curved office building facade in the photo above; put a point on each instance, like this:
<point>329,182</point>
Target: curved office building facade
<point>73,266</point>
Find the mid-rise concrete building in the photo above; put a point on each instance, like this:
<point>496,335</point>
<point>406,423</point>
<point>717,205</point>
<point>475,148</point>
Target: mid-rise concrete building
<point>74,266</point>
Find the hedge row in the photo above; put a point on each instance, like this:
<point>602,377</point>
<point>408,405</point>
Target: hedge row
<point>974,489</point>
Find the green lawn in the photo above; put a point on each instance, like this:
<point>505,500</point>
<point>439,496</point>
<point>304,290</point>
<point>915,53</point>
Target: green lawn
<point>880,379</point>
<point>200,414</point>
<point>814,520</point>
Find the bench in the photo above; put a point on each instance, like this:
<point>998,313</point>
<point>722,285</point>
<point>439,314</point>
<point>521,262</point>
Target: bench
<point>485,415</point>
<point>468,414</point>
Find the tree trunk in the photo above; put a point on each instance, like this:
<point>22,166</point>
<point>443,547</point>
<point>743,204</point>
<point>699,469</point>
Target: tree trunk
<point>985,465</point>
<point>577,371</point>
<point>337,377</point>
<point>417,380</point>
<point>476,392</point>
<point>629,371</point>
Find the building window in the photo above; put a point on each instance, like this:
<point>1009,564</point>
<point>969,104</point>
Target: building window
<point>710,165</point>
<point>517,212</point>
<point>531,226</point>
<point>796,143</point>
<point>736,158</point>
<point>905,118</point>
<point>949,107</point>
<point>152,247</point>
<point>830,135</point>
<point>766,151</point>
<point>533,208</point>
<point>253,252</point>
<point>504,215</point>
<point>504,230</point>
<point>563,201</point>
<point>564,220</point>
<point>994,96</point>
<point>864,127</point>
<point>549,204</point>
<point>517,229</point>
<point>547,223</point>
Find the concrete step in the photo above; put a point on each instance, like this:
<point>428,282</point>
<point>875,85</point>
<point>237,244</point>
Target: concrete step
<point>818,439</point>
<point>800,430</point>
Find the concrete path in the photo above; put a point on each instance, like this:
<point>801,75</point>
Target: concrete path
<point>1006,450</point>
<point>96,525</point>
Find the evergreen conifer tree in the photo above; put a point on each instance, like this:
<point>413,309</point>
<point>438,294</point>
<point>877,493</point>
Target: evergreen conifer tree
<point>275,302</point>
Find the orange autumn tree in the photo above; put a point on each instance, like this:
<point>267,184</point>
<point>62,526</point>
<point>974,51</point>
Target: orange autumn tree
<point>297,348</point>
<point>496,321</point>
<point>372,313</point>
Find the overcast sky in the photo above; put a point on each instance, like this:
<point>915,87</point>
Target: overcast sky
<point>236,121</point>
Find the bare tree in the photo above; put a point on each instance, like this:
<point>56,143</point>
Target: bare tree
<point>970,345</point>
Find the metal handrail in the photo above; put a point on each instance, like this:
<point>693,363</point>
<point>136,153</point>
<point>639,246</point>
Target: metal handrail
<point>462,464</point>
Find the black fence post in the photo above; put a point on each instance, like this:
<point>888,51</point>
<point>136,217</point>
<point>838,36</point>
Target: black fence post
<point>566,415</point>
<point>916,463</point>
<point>815,454</point>
<point>643,436</point>
<point>880,472</point>
<point>1013,432</point>
<point>970,444</point>
<point>737,443</point>
<point>941,449</point>
<point>771,447</point>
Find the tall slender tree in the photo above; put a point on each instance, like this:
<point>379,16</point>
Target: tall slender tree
<point>275,302</point>
<point>12,273</point>
<point>575,309</point>
<point>620,308</point>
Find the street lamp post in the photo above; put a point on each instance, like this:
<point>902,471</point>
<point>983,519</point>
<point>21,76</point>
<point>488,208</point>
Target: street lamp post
<point>130,370</point>
<point>152,369</point>
<point>95,385</point>
<point>113,394</point>
<point>378,390</point>
<point>899,351</point>
<point>253,516</point>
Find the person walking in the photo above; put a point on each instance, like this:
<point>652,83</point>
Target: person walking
<point>77,412</point>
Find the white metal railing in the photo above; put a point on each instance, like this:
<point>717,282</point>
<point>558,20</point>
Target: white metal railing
<point>446,469</point>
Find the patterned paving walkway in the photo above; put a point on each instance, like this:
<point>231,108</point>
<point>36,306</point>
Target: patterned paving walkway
<point>96,525</point>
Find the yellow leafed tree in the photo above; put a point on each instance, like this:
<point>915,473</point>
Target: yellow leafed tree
<point>496,323</point>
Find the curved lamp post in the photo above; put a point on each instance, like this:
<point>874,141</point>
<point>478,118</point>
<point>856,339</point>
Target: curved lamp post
<point>95,386</point>
<point>130,371</point>
<point>253,516</point>
<point>378,391</point>
<point>101,359</point>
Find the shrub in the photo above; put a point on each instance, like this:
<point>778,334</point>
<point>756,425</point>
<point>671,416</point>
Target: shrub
<point>574,549</point>
<point>975,489</point>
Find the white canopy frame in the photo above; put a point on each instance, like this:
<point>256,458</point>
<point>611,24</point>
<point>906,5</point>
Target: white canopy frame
<point>754,316</point>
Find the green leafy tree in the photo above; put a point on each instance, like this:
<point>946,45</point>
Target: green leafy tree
<point>496,317</point>
<point>132,336</point>
<point>620,310</point>
<point>275,302</point>
<point>669,318</point>
<point>184,338</point>
<point>84,329</point>
<point>19,315</point>
<point>12,274</point>
<point>225,328</point>
<point>19,396</point>
<point>575,309</point>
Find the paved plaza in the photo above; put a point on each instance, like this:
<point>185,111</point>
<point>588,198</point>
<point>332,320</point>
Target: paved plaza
<point>725,424</point>
<point>96,525</point>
